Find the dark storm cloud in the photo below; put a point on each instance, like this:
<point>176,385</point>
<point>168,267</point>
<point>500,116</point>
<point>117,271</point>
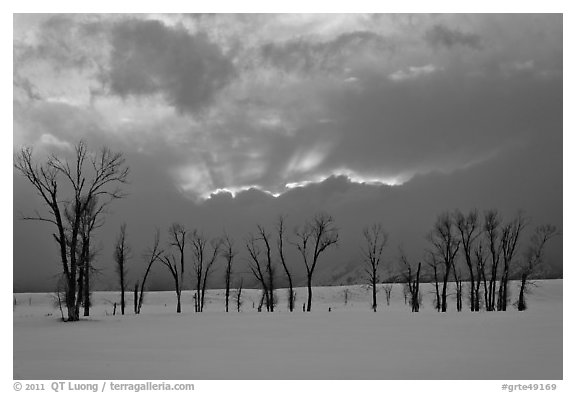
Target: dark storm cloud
<point>442,36</point>
<point>148,57</point>
<point>444,119</point>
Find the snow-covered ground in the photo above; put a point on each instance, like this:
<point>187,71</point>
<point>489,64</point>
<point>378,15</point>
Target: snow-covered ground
<point>350,342</point>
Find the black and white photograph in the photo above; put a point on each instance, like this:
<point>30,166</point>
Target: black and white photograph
<point>287,196</point>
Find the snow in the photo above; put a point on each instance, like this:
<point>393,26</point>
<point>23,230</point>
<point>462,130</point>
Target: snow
<point>351,342</point>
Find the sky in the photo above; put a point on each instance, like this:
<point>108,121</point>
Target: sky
<point>228,120</point>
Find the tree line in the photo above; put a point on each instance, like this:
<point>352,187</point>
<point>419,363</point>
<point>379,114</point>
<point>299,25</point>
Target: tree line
<point>471,248</point>
<point>480,250</point>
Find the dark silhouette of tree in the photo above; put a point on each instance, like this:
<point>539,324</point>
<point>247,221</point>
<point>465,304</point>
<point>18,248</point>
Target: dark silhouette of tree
<point>122,252</point>
<point>480,258</point>
<point>375,240</point>
<point>412,281</point>
<point>434,264</point>
<point>89,221</point>
<point>533,259</point>
<point>205,252</point>
<point>509,239</point>
<point>177,238</point>
<point>315,237</point>
<point>492,222</point>
<point>176,266</point>
<point>170,262</point>
<point>257,267</point>
<point>229,254</point>
<point>270,269</point>
<point>88,176</point>
<point>469,230</point>
<point>152,255</point>
<point>280,244</point>
<point>446,245</point>
<point>239,296</point>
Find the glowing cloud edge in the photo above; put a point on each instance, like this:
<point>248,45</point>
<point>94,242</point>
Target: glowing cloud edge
<point>352,176</point>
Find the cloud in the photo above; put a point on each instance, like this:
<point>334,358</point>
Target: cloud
<point>518,67</point>
<point>442,36</point>
<point>306,54</point>
<point>413,72</point>
<point>150,58</point>
<point>290,99</point>
<point>51,141</point>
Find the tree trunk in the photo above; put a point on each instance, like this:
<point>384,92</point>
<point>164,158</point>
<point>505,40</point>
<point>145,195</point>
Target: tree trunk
<point>492,297</point>
<point>122,291</point>
<point>290,294</point>
<point>477,294</point>
<point>486,289</point>
<point>374,305</point>
<point>80,284</point>
<point>271,287</point>
<point>227,294</point>
<point>416,291</point>
<point>309,302</point>
<point>503,291</point>
<point>472,292</point>
<point>437,289</point>
<point>73,315</point>
<point>521,299</point>
<point>136,298</point>
<point>86,294</point>
<point>444,289</point>
<point>178,295</point>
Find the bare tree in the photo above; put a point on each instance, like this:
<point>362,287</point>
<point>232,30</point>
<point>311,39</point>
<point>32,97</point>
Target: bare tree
<point>509,240</point>
<point>313,239</point>
<point>89,221</point>
<point>433,262</point>
<point>170,262</point>
<point>469,229</point>
<point>177,238</point>
<point>412,281</point>
<point>492,223</point>
<point>280,244</point>
<point>205,253</point>
<point>270,269</point>
<point>480,274</point>
<point>257,267</point>
<point>122,252</point>
<point>446,245</point>
<point>152,255</point>
<point>89,177</point>
<point>176,266</point>
<point>229,254</point>
<point>375,240</point>
<point>533,259</point>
